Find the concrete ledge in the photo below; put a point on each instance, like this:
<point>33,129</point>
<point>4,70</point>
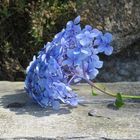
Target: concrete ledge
<point>22,119</point>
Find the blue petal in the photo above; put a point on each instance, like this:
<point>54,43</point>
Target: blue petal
<point>80,36</point>
<point>78,61</point>
<point>86,51</point>
<point>76,80</point>
<point>67,62</point>
<point>70,53</point>
<point>98,64</point>
<point>34,58</point>
<point>93,50</point>
<point>77,29</point>
<point>44,101</point>
<point>109,37</point>
<point>93,35</point>
<point>42,82</point>
<point>63,41</point>
<point>43,57</point>
<point>74,102</point>
<point>97,32</point>
<point>77,20</point>
<point>56,105</point>
<point>88,27</point>
<point>79,71</point>
<point>97,42</point>
<point>95,57</point>
<point>87,34</point>
<point>101,48</point>
<point>69,25</point>
<point>93,73</point>
<point>108,50</point>
<point>85,41</point>
<point>104,39</point>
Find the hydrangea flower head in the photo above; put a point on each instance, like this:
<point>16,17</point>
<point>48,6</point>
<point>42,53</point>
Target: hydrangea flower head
<point>71,56</point>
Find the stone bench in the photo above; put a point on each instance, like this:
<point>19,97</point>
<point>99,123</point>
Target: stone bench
<point>92,119</point>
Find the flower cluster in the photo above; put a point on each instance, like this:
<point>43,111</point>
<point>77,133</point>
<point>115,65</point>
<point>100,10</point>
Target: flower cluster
<point>71,56</point>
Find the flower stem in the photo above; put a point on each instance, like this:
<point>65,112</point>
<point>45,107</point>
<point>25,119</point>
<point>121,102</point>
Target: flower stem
<point>110,94</point>
<point>71,79</point>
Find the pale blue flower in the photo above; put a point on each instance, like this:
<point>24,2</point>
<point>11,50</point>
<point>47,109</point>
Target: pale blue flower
<point>70,57</point>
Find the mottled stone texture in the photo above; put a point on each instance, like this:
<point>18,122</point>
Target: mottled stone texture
<point>122,19</point>
<point>21,119</point>
<point>19,41</point>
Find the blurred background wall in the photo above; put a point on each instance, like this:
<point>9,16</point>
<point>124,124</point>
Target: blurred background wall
<point>25,25</point>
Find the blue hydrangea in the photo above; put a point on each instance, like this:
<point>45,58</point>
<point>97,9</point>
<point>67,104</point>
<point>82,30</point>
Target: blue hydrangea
<point>71,56</point>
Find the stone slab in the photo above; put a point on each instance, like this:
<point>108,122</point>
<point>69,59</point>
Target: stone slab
<point>29,121</point>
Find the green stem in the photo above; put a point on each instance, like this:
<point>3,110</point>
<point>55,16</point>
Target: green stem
<point>111,94</point>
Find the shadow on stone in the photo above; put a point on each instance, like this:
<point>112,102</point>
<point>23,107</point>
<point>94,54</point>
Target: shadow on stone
<point>20,103</point>
<point>30,138</point>
<point>112,106</point>
<point>49,138</point>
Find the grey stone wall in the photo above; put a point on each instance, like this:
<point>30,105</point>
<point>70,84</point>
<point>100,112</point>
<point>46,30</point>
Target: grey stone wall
<point>122,19</point>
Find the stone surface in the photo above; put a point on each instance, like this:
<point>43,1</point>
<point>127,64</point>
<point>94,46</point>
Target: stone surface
<point>22,119</point>
<point>122,19</point>
<point>124,66</point>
